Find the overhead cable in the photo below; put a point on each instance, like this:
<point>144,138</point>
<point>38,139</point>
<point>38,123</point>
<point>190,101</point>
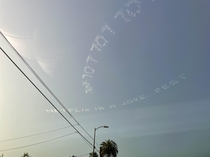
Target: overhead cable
<point>42,82</point>
<point>46,132</point>
<point>46,97</point>
<point>4,150</point>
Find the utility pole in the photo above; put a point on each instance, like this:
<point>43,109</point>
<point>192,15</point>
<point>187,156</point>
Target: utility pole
<point>95,137</point>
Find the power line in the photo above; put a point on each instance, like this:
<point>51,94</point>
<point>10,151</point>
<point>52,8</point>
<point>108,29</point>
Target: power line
<point>42,82</point>
<point>4,150</point>
<point>17,138</point>
<point>45,97</point>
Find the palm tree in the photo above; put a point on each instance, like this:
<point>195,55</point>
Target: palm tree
<point>109,148</point>
<point>94,155</point>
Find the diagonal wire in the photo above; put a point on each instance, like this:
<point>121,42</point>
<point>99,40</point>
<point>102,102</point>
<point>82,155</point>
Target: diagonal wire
<point>42,82</point>
<point>30,145</point>
<point>17,138</point>
<point>45,97</point>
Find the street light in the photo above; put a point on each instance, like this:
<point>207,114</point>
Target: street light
<point>95,136</point>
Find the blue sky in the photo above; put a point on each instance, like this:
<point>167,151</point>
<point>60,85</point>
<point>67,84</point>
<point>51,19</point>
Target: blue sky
<point>140,67</point>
